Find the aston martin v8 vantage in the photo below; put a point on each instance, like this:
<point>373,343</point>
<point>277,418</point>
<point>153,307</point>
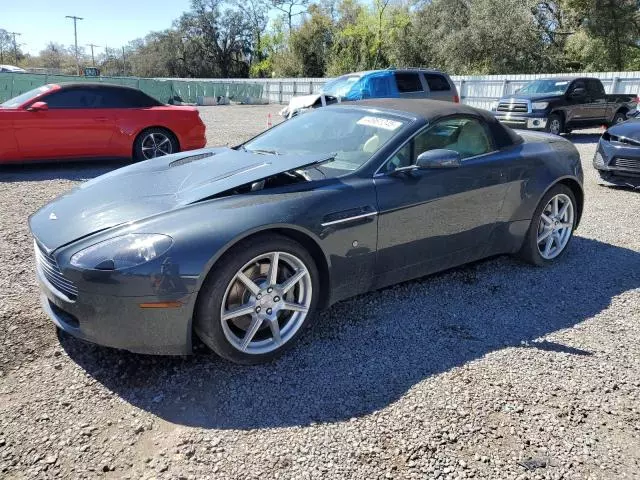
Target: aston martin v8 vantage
<point>242,246</point>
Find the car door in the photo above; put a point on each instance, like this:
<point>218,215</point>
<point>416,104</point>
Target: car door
<point>8,145</point>
<point>596,106</point>
<point>73,126</point>
<point>409,84</point>
<point>436,218</point>
<point>576,111</point>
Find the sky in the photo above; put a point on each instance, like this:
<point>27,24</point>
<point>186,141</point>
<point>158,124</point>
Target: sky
<point>106,22</point>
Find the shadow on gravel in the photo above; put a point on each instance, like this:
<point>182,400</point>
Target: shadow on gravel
<point>58,171</point>
<point>365,353</point>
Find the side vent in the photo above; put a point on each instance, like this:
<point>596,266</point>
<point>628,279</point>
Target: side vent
<point>192,158</point>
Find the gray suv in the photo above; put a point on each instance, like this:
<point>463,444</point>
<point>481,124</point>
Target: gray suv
<point>392,82</point>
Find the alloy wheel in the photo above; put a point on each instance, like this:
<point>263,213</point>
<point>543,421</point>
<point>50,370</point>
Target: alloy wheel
<point>555,126</point>
<point>266,303</point>
<point>156,145</point>
<point>555,226</point>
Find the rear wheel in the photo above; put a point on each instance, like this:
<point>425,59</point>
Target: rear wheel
<point>551,228</point>
<point>255,304</point>
<point>153,143</point>
<point>619,118</point>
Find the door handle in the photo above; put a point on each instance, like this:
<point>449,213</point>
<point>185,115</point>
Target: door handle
<point>102,119</point>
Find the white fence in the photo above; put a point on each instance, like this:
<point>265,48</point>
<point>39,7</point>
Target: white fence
<point>477,91</point>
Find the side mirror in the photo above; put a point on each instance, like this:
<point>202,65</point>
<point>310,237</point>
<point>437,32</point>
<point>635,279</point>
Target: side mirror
<point>38,107</point>
<point>438,158</point>
<point>578,92</point>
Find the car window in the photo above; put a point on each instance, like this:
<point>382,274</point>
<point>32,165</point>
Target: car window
<point>578,84</point>
<point>74,98</point>
<point>25,97</point>
<point>467,136</point>
<point>408,82</point>
<point>595,88</point>
<point>437,83</point>
<point>125,98</point>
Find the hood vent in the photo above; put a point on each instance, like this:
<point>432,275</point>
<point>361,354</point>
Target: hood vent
<point>192,158</point>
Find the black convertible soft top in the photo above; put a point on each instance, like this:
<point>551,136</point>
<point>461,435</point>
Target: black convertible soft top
<point>432,110</point>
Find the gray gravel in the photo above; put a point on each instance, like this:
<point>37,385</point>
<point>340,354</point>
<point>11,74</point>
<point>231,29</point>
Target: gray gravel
<point>496,370</point>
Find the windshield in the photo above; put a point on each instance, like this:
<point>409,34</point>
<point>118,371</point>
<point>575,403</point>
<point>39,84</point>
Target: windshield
<point>557,87</point>
<point>339,87</point>
<point>351,136</point>
<point>25,97</point>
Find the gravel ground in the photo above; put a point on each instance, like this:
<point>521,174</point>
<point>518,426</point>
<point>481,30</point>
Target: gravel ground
<point>496,370</point>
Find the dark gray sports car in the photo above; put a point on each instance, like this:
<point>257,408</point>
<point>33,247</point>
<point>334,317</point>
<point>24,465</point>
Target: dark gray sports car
<point>243,245</point>
<point>617,157</point>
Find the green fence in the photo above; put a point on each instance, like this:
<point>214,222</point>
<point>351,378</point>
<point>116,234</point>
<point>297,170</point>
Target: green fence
<point>13,84</point>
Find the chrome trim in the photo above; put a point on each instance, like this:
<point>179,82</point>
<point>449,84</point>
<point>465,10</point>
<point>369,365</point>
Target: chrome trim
<point>49,273</point>
<point>350,219</point>
<point>512,101</point>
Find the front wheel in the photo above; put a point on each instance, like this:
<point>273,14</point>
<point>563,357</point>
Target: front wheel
<point>153,143</point>
<point>256,302</point>
<point>551,228</point>
<point>555,124</point>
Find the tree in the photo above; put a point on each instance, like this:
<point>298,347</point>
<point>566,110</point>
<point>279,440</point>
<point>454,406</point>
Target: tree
<point>615,27</point>
<point>257,16</point>
<point>311,43</point>
<point>9,52</point>
<point>290,9</point>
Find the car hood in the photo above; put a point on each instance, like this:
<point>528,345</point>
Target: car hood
<point>629,129</point>
<point>154,186</point>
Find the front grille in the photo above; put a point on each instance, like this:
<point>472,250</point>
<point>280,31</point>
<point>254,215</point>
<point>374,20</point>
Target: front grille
<point>627,163</point>
<point>514,121</point>
<point>48,266</point>
<point>515,107</point>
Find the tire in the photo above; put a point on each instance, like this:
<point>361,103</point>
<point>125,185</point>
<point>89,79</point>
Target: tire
<point>619,117</point>
<point>555,124</point>
<point>154,142</point>
<point>534,253</point>
<point>268,307</point>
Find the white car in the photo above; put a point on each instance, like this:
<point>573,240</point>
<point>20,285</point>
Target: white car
<point>11,69</point>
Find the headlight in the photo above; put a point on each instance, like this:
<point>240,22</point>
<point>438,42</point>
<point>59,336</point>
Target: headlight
<point>122,252</point>
<point>539,105</point>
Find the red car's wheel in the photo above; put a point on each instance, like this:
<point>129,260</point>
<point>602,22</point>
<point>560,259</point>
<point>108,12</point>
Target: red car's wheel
<point>155,142</point>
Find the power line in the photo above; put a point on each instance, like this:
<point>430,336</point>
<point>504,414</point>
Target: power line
<point>75,34</point>
<point>15,45</point>
<point>93,60</point>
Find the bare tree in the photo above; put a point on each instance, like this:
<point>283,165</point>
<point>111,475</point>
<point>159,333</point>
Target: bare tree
<point>291,9</point>
<point>257,15</point>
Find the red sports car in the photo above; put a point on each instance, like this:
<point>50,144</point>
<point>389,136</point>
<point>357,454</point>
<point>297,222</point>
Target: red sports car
<point>80,120</point>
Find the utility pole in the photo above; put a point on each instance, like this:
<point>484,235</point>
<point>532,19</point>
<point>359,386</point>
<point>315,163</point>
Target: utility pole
<point>93,60</point>
<point>75,34</point>
<point>124,64</point>
<point>15,46</point>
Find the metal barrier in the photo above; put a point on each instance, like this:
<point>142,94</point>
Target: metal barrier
<point>14,84</point>
<point>477,91</point>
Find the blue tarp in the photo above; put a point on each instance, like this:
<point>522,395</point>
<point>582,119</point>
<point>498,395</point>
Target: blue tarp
<point>374,85</point>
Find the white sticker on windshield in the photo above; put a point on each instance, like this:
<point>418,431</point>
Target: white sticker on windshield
<point>378,122</point>
<point>560,84</point>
